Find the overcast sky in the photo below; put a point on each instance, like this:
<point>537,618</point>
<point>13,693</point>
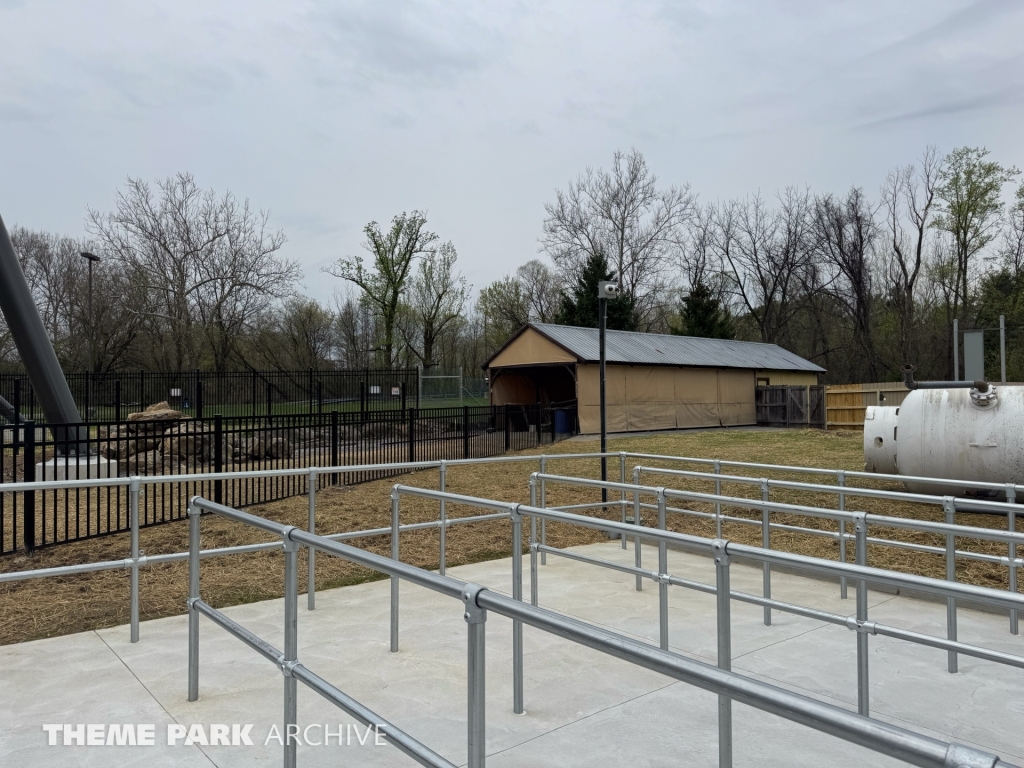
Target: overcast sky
<point>337,113</point>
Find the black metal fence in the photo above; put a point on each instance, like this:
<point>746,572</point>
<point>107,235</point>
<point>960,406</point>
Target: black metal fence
<point>112,396</point>
<point>790,406</point>
<point>33,519</point>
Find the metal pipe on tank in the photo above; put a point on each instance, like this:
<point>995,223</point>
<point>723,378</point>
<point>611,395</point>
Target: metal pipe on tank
<point>34,346</point>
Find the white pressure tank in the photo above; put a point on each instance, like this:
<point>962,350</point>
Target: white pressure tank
<point>962,434</point>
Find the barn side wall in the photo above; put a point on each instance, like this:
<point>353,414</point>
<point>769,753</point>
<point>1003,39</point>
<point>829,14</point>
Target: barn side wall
<point>664,397</point>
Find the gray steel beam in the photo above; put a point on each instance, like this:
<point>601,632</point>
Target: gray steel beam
<point>34,345</point>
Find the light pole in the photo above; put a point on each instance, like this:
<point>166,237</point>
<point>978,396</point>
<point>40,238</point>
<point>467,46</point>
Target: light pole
<point>91,258</point>
<point>606,289</point>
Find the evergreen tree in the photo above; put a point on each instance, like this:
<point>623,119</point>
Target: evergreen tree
<point>579,305</point>
<point>702,314</point>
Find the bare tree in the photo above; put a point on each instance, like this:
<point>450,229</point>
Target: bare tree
<point>844,234</point>
<point>908,201</point>
<point>296,336</point>
<point>765,254</point>
<point>436,301</point>
<point>208,264</point>
<point>699,260</point>
<point>540,289</point>
<point>624,215</point>
<point>385,283</point>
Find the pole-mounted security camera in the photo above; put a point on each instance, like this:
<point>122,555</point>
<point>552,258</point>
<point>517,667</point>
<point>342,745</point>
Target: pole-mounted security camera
<point>606,290</point>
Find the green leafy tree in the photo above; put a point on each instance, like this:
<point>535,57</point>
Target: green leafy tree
<point>579,304</point>
<point>970,188</point>
<point>702,314</point>
<point>387,281</point>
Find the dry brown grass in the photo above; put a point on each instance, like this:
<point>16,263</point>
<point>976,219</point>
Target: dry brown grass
<point>49,607</point>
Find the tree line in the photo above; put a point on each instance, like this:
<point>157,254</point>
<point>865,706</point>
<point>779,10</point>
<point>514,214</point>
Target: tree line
<point>859,282</point>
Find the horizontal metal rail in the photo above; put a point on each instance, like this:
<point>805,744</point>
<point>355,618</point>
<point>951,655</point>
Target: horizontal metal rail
<point>923,526</point>
<point>395,735</point>
<point>966,505</point>
<point>107,482</point>
<point>974,484</point>
<point>890,740</point>
<point>842,620</point>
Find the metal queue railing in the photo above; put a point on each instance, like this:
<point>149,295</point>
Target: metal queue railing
<point>890,740</point>
<point>859,623</point>
<point>949,504</point>
<point>860,522</point>
<point>135,484</point>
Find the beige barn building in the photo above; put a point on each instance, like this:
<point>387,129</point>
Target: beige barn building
<point>654,381</point>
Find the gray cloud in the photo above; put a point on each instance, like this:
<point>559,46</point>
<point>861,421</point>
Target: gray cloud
<point>335,113</point>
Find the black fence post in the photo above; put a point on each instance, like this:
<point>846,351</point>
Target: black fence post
<point>199,398</point>
<point>536,429</point>
<point>28,524</point>
<point>17,407</point>
<point>218,457</point>
<point>362,402</point>
<point>310,390</point>
<point>508,429</point>
<point>412,434</point>
<point>142,390</point>
<point>334,445</point>
<point>403,398</point>
<point>319,395</point>
<point>270,405</point>
<point>554,427</point>
<point>252,390</point>
<point>465,431</point>
<point>117,401</point>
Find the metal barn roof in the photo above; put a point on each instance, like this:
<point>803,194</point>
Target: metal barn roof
<point>663,349</point>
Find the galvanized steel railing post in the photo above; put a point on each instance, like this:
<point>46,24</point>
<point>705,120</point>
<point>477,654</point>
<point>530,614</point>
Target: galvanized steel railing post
<point>134,489</point>
<point>533,542</point>
<point>622,493</point>
<point>723,596</point>
<point>860,528</point>
<point>1011,525</point>
<point>636,521</point>
<point>517,594</point>
<point>395,498</point>
<point>443,530</point>
<point>662,576</point>
<point>193,595</point>
<point>949,506</point>
<point>543,505</point>
<point>311,561</point>
<point>766,542</point>
<point>476,722</point>
<point>841,482</point>
<point>718,504</point>
<point>291,646</point>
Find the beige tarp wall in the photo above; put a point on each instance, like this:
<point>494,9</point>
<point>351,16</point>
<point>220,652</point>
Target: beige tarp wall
<point>512,388</point>
<point>663,397</point>
<point>531,349</point>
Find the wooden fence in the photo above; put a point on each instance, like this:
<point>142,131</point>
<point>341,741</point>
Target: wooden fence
<point>845,404</point>
<point>790,406</point>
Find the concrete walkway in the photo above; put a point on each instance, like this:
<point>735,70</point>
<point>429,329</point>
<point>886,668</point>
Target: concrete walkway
<point>583,708</point>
